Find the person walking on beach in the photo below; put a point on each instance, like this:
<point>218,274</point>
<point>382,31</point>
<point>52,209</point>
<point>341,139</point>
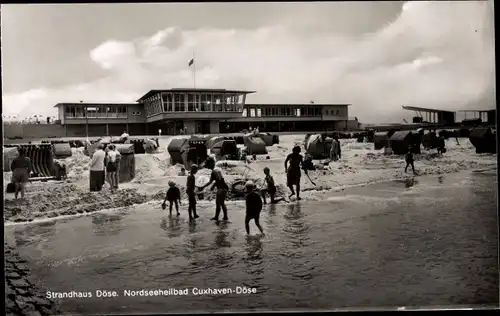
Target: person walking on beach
<point>190,187</point>
<point>293,172</point>
<point>21,169</point>
<point>220,198</point>
<point>97,173</point>
<point>112,166</point>
<point>409,160</point>
<point>253,205</point>
<point>173,196</point>
<point>271,187</point>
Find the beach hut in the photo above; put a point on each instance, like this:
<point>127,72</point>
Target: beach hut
<point>127,162</point>
<point>150,146</point>
<point>400,141</point>
<point>177,150</point>
<point>484,139</point>
<point>254,145</point>
<point>381,140</point>
<point>62,150</point>
<point>318,146</point>
<point>430,140</point>
<point>226,148</point>
<point>269,139</point>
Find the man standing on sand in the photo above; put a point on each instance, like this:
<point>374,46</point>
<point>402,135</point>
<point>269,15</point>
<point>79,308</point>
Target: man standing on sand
<point>97,173</point>
<point>335,151</point>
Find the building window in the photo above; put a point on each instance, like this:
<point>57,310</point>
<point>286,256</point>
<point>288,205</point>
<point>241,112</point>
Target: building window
<point>244,113</point>
<point>259,112</point>
<point>179,102</point>
<point>337,112</point>
<point>298,112</point>
<point>205,100</point>
<point>122,111</point>
<point>191,102</point>
<point>252,112</point>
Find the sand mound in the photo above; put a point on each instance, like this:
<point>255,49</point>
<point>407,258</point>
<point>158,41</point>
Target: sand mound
<point>78,164</point>
<point>149,166</point>
<point>68,200</point>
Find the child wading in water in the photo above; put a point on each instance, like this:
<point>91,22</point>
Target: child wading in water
<point>270,189</point>
<point>253,207</point>
<point>190,187</point>
<point>409,160</point>
<point>173,196</point>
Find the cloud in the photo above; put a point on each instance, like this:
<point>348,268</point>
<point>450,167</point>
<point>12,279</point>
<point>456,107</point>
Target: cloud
<point>435,54</point>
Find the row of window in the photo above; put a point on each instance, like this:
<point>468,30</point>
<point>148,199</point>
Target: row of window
<point>80,111</point>
<point>332,112</point>
<point>195,103</point>
<point>282,111</point>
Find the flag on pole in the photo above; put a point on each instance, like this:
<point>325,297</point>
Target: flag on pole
<point>191,62</point>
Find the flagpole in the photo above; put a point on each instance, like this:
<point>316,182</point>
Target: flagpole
<point>194,72</point>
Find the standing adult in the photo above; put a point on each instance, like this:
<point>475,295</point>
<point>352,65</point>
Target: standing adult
<point>112,166</point>
<point>220,198</point>
<point>97,173</point>
<point>21,168</point>
<point>293,173</point>
<point>335,151</point>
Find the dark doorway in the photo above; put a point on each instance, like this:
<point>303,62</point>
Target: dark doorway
<point>202,127</point>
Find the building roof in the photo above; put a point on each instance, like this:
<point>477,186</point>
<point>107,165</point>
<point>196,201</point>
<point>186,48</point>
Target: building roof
<point>93,103</point>
<point>414,108</point>
<point>152,92</point>
<point>295,104</point>
<point>490,110</point>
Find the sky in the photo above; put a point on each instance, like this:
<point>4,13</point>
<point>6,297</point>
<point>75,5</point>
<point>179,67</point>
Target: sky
<point>376,56</point>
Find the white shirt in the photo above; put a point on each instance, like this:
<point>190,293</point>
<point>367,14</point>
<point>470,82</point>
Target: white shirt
<point>125,135</point>
<point>97,162</point>
<point>113,154</point>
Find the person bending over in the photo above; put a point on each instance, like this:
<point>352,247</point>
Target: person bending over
<point>173,196</point>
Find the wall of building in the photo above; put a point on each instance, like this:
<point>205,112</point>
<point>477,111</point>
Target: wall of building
<point>190,127</point>
<point>33,131</point>
<point>214,127</point>
<point>335,110</point>
<point>136,113</point>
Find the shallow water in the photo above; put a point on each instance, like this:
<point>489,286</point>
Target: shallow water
<point>419,241</point>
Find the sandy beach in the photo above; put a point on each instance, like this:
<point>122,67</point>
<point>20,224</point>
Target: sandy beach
<point>360,165</point>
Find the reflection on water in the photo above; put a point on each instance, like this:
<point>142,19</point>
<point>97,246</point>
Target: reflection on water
<point>107,224</point>
<point>375,246</point>
<point>409,182</point>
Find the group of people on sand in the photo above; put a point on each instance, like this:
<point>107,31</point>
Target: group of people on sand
<point>254,198</point>
<point>104,167</point>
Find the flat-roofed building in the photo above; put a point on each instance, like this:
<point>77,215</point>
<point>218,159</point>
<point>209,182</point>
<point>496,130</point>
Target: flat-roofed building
<point>197,111</point>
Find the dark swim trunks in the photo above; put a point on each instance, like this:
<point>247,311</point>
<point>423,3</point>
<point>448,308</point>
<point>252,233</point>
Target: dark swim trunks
<point>293,176</point>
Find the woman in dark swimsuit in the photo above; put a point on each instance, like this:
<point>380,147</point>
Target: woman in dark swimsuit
<point>220,197</point>
<point>293,172</point>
